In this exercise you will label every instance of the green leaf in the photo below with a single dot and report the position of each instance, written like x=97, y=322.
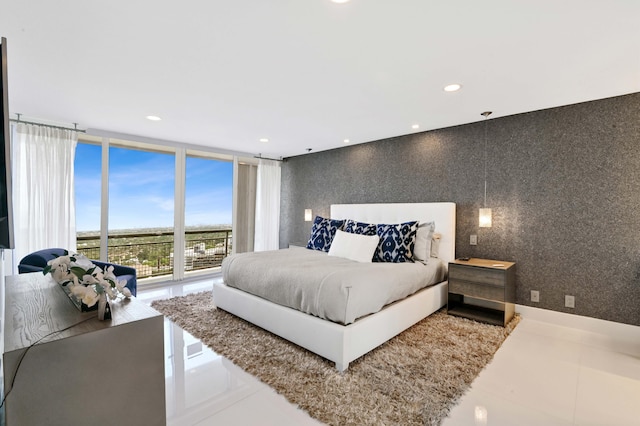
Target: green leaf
x=78, y=271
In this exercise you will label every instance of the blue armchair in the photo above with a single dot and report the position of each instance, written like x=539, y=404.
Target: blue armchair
x=37, y=261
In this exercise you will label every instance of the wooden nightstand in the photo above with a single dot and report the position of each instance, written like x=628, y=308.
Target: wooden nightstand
x=482, y=290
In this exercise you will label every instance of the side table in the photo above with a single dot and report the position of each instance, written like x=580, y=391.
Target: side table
x=482, y=290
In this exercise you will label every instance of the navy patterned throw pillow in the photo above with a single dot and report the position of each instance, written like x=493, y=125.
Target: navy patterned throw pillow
x=361, y=228
x=396, y=242
x=322, y=233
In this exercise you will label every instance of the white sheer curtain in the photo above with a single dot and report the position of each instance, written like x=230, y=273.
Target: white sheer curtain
x=43, y=190
x=267, y=230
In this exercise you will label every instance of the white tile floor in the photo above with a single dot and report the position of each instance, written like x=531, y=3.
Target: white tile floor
x=543, y=374
x=204, y=388
x=546, y=374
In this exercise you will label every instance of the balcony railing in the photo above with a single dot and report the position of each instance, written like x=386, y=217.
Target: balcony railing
x=152, y=253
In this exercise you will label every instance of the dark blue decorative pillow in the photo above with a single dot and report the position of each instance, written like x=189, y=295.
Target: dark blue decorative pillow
x=361, y=228
x=396, y=242
x=322, y=233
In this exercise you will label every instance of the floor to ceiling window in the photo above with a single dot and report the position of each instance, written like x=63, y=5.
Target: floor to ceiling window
x=208, y=210
x=88, y=178
x=141, y=208
x=163, y=210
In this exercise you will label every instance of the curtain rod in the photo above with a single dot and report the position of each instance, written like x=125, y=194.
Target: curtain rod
x=267, y=158
x=75, y=128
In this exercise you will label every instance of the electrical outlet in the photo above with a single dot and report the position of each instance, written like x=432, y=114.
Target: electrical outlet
x=569, y=301
x=535, y=296
x=473, y=240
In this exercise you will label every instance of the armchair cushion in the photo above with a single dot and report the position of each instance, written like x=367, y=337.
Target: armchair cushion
x=37, y=261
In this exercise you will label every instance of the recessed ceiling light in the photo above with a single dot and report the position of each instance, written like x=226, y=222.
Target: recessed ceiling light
x=452, y=87
x=264, y=140
x=339, y=1
x=415, y=126
x=346, y=141
x=153, y=118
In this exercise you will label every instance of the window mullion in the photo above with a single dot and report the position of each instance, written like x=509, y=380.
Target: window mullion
x=179, y=215
x=104, y=203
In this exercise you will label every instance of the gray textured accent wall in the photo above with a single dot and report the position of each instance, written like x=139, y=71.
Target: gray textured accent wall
x=563, y=183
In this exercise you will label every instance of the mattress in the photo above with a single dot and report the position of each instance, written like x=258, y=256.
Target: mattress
x=328, y=287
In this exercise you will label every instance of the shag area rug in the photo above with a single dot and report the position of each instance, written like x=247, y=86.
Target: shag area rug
x=413, y=379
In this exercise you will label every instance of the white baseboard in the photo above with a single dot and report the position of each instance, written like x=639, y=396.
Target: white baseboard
x=626, y=337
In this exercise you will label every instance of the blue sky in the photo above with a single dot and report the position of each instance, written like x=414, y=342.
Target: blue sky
x=141, y=189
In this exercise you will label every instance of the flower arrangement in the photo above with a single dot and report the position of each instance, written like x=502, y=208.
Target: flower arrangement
x=86, y=281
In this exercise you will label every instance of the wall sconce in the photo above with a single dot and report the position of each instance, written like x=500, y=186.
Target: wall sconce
x=307, y=215
x=485, y=213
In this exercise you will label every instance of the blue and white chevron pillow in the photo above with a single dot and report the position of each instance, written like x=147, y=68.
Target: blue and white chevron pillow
x=397, y=242
x=322, y=233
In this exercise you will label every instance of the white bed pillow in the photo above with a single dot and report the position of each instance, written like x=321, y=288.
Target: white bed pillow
x=422, y=249
x=354, y=246
x=435, y=245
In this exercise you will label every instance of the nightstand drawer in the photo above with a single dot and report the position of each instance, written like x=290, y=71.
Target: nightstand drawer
x=494, y=277
x=475, y=289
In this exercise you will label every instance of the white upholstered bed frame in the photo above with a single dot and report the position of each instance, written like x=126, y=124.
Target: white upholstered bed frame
x=336, y=342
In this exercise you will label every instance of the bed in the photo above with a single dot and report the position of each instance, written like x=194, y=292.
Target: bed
x=342, y=343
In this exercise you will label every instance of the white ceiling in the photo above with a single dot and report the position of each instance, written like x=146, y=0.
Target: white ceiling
x=310, y=73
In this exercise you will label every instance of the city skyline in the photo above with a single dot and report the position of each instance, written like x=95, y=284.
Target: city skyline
x=141, y=189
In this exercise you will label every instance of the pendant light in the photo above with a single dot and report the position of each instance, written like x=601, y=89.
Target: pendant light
x=485, y=213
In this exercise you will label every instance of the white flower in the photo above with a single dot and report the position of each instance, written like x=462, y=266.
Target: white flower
x=60, y=261
x=124, y=290
x=83, y=262
x=97, y=272
x=61, y=274
x=77, y=290
x=86, y=287
x=88, y=295
x=89, y=279
x=109, y=275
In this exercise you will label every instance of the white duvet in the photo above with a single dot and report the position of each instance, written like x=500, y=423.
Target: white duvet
x=329, y=287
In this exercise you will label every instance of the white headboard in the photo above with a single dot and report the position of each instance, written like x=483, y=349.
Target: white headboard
x=443, y=214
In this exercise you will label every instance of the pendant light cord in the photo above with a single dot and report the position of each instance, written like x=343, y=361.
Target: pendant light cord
x=486, y=115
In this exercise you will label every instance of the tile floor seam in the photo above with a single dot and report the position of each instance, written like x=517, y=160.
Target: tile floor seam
x=575, y=399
